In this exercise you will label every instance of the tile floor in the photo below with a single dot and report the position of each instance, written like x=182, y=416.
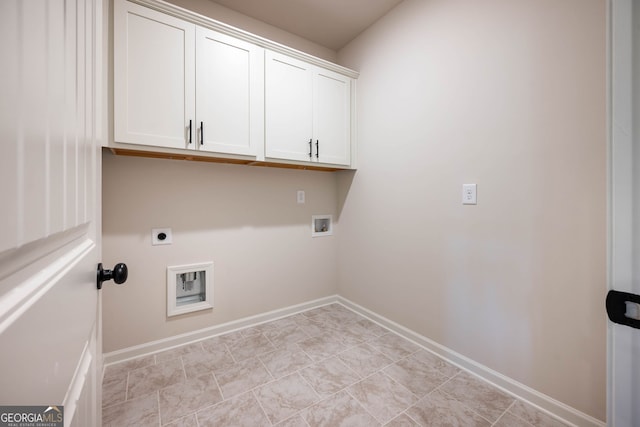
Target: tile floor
x=323, y=367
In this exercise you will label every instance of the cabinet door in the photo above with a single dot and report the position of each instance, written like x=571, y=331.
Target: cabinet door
x=153, y=77
x=288, y=107
x=229, y=94
x=332, y=117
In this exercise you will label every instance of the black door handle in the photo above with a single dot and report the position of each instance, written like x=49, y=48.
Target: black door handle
x=201, y=133
x=119, y=274
x=617, y=307
x=317, y=149
x=189, y=131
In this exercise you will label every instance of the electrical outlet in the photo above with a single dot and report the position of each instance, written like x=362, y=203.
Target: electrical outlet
x=300, y=197
x=161, y=236
x=469, y=195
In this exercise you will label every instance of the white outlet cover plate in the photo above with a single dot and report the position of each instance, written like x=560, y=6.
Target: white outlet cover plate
x=300, y=197
x=469, y=194
x=156, y=232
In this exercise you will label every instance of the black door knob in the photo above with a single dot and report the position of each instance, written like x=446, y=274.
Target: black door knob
x=119, y=274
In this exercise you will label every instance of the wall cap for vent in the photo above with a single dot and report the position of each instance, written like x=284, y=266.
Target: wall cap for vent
x=321, y=225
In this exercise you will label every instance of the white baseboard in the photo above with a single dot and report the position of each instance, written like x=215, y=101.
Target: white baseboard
x=201, y=334
x=546, y=404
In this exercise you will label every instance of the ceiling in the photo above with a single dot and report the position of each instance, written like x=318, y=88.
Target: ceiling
x=329, y=23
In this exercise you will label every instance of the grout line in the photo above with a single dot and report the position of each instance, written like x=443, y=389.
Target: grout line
x=362, y=406
x=126, y=387
x=159, y=413
x=504, y=412
x=218, y=384
x=467, y=406
x=409, y=416
x=253, y=393
x=184, y=371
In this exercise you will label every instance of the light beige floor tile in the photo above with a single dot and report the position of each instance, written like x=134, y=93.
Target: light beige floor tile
x=348, y=336
x=339, y=410
x=416, y=376
x=534, y=416
x=242, y=377
x=283, y=336
x=120, y=370
x=332, y=348
x=254, y=331
x=439, y=409
x=243, y=410
x=282, y=398
x=114, y=391
x=174, y=353
x=201, y=362
x=188, y=421
x=509, y=420
x=430, y=359
x=327, y=321
x=152, y=378
x=373, y=329
x=382, y=397
x=329, y=376
x=318, y=310
x=285, y=360
x=141, y=412
x=250, y=347
x=402, y=420
x=343, y=315
x=185, y=398
x=341, y=308
x=295, y=421
x=359, y=331
x=285, y=321
x=364, y=359
x=478, y=395
x=394, y=346
x=214, y=343
x=322, y=346
x=312, y=327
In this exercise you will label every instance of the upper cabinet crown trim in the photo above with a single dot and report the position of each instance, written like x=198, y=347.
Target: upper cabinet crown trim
x=207, y=22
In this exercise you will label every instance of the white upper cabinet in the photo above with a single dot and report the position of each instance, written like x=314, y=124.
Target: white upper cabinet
x=154, y=81
x=288, y=108
x=178, y=85
x=229, y=93
x=187, y=86
x=307, y=112
x=332, y=117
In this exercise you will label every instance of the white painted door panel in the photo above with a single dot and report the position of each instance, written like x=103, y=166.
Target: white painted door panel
x=49, y=223
x=229, y=93
x=154, y=78
x=623, y=356
x=288, y=107
x=332, y=117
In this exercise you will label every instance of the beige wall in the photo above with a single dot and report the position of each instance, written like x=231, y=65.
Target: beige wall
x=508, y=95
x=511, y=96
x=254, y=26
x=244, y=219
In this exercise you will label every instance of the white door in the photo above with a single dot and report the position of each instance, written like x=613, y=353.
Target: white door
x=154, y=77
x=288, y=108
x=623, y=406
x=50, y=112
x=229, y=94
x=332, y=117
